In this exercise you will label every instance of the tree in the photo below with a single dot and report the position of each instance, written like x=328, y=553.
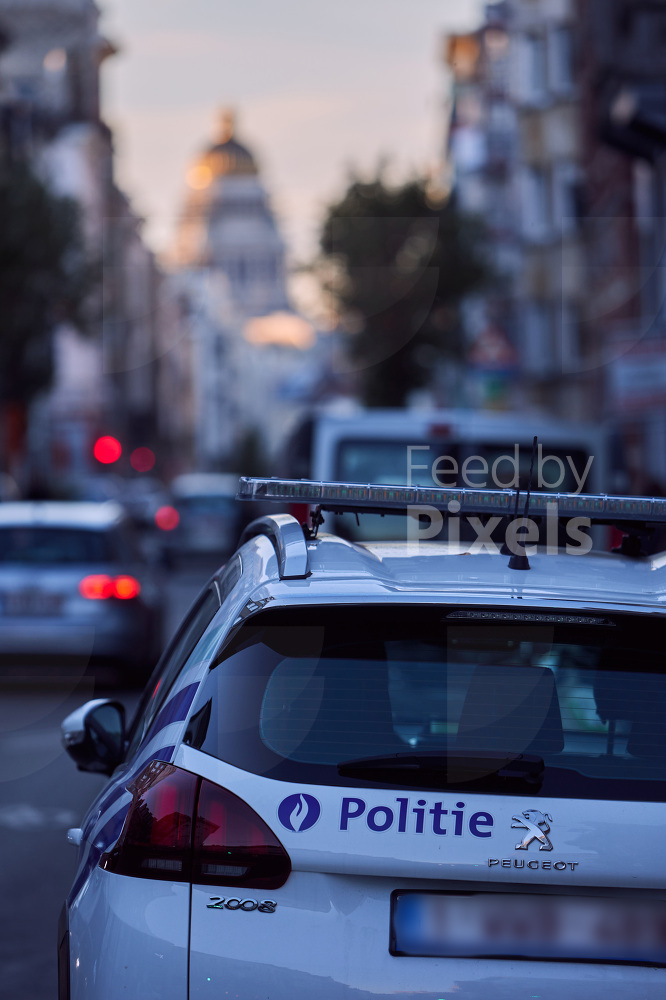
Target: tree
x=44, y=279
x=397, y=264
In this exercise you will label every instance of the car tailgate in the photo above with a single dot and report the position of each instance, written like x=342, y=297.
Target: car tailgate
x=353, y=848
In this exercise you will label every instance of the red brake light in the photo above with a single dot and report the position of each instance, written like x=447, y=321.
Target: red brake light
x=126, y=587
x=184, y=829
x=157, y=835
x=101, y=586
x=167, y=518
x=97, y=587
x=233, y=846
x=107, y=450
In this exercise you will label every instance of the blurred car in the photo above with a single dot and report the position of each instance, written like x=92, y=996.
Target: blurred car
x=143, y=497
x=207, y=516
x=74, y=585
x=92, y=488
x=363, y=772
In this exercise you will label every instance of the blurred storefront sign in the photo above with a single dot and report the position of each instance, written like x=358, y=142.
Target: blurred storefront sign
x=493, y=362
x=637, y=378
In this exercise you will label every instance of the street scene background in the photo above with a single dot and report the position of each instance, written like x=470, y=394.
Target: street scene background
x=293, y=240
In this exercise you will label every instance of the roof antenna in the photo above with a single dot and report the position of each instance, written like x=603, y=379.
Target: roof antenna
x=505, y=550
x=519, y=559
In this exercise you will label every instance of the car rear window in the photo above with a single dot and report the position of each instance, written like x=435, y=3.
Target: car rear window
x=43, y=546
x=296, y=693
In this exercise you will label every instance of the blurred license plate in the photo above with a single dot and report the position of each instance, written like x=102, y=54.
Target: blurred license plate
x=500, y=925
x=34, y=603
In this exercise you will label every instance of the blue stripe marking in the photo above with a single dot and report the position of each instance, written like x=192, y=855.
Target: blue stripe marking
x=106, y=836
x=111, y=830
x=175, y=710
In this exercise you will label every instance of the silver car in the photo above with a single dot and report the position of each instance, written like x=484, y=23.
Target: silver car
x=75, y=590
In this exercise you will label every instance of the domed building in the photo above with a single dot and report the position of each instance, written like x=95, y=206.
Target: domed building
x=228, y=226
x=251, y=353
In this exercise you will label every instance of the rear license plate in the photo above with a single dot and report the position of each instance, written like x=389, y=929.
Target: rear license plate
x=503, y=925
x=32, y=603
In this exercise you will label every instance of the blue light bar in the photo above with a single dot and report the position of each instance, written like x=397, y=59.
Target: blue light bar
x=463, y=502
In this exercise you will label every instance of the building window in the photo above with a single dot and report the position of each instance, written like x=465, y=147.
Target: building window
x=536, y=207
x=537, y=351
x=561, y=62
x=534, y=83
x=568, y=337
x=566, y=197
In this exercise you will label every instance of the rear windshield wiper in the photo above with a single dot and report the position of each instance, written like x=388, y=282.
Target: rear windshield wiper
x=481, y=771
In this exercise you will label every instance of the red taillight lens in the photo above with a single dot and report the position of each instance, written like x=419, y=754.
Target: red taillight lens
x=157, y=835
x=100, y=586
x=167, y=518
x=184, y=829
x=233, y=846
x=126, y=587
x=96, y=588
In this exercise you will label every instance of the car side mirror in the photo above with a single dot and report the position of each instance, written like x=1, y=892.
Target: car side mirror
x=94, y=735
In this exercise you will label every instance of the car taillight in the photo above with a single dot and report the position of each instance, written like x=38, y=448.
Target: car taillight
x=101, y=586
x=167, y=518
x=96, y=588
x=126, y=587
x=183, y=828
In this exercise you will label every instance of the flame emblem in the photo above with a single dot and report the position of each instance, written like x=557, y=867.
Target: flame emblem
x=299, y=812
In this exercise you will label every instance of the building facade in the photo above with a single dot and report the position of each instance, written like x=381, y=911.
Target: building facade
x=50, y=118
x=515, y=145
x=252, y=354
x=558, y=137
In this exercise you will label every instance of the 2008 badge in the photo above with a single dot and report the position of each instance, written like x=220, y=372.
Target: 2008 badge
x=236, y=903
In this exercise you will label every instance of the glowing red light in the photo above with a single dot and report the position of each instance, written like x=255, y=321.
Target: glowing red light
x=167, y=518
x=107, y=450
x=101, y=586
x=142, y=459
x=97, y=587
x=126, y=587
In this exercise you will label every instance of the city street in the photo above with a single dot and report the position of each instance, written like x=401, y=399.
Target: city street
x=41, y=795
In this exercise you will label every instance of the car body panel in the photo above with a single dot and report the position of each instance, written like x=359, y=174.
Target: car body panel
x=590, y=847
x=130, y=925
x=329, y=934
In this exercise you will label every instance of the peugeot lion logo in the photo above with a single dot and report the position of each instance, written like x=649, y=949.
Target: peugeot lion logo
x=299, y=812
x=536, y=825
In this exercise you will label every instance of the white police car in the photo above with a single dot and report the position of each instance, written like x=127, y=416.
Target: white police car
x=369, y=771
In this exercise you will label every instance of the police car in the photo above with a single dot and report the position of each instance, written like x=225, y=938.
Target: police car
x=432, y=769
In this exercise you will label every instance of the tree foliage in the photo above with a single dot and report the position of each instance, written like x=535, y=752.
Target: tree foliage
x=397, y=264
x=44, y=279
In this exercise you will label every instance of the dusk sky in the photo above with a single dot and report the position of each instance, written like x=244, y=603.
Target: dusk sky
x=318, y=89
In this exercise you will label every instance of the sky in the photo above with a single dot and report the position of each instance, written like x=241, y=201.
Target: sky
x=319, y=89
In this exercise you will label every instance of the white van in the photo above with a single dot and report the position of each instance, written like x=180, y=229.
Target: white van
x=451, y=448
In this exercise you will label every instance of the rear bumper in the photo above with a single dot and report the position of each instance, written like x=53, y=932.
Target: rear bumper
x=329, y=938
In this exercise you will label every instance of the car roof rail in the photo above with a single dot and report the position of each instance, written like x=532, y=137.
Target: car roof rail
x=287, y=536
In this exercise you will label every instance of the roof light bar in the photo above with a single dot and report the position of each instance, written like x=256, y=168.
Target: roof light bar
x=396, y=499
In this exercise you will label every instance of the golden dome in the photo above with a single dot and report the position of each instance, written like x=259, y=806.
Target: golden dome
x=224, y=158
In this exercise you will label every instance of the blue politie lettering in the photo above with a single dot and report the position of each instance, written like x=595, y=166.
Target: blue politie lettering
x=423, y=817
x=347, y=805
x=379, y=825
